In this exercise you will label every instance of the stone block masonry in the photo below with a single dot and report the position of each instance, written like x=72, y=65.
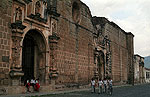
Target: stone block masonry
x=5, y=34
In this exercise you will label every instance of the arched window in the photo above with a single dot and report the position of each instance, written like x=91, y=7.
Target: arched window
x=76, y=12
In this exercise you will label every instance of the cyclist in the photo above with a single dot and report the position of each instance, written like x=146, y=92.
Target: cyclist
x=110, y=89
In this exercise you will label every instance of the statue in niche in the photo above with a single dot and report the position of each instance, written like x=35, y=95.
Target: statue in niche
x=18, y=14
x=54, y=27
x=45, y=10
x=37, y=7
x=76, y=12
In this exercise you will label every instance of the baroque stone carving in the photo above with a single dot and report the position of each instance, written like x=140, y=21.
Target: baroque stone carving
x=53, y=40
x=38, y=13
x=54, y=26
x=18, y=14
x=37, y=7
x=16, y=49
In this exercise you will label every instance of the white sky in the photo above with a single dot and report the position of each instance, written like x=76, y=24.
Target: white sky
x=131, y=15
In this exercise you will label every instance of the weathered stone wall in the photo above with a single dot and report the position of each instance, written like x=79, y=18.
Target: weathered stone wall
x=119, y=52
x=130, y=67
x=121, y=48
x=5, y=33
x=75, y=53
x=72, y=56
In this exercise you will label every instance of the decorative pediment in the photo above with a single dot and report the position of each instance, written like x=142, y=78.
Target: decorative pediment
x=18, y=12
x=37, y=17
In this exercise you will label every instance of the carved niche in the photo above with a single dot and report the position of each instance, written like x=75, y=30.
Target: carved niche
x=18, y=13
x=76, y=15
x=38, y=7
x=37, y=10
x=54, y=26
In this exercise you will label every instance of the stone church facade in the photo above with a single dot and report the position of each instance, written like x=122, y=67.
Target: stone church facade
x=59, y=42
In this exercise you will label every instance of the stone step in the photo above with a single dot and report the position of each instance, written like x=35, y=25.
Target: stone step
x=2, y=91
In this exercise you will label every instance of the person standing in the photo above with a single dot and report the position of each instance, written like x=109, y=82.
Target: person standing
x=93, y=85
x=110, y=86
x=100, y=83
x=105, y=85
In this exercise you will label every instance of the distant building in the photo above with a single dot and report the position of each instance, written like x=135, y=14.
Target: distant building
x=147, y=75
x=139, y=69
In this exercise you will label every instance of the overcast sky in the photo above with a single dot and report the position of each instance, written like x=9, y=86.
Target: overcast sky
x=131, y=15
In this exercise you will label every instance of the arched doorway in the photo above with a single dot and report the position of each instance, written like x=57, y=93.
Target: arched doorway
x=101, y=64
x=33, y=56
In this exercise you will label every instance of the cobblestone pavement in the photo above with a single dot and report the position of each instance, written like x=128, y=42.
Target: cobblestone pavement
x=128, y=91
x=124, y=91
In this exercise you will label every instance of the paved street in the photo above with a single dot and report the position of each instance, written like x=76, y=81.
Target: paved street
x=128, y=91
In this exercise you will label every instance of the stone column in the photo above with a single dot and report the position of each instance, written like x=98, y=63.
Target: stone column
x=53, y=39
x=53, y=74
x=16, y=67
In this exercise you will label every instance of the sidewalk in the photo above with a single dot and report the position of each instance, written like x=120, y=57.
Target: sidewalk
x=40, y=94
x=52, y=92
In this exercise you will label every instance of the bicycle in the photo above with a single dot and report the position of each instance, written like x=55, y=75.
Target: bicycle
x=110, y=90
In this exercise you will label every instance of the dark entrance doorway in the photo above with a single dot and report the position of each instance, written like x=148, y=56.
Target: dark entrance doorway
x=28, y=57
x=101, y=65
x=34, y=56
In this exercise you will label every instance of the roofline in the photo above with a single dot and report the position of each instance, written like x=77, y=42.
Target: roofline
x=113, y=24
x=147, y=68
x=139, y=56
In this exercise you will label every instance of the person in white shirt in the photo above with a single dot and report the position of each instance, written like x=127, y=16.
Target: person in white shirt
x=105, y=85
x=93, y=85
x=32, y=82
x=100, y=83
